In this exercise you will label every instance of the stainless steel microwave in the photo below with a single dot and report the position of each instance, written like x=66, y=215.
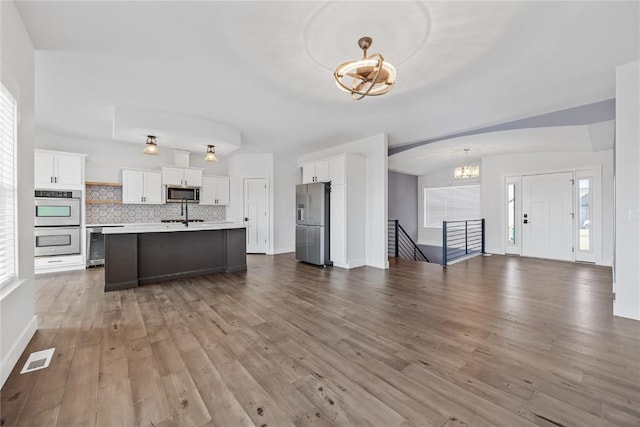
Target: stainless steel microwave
x=180, y=194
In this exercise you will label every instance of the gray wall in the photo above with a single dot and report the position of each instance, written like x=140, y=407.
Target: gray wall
x=403, y=201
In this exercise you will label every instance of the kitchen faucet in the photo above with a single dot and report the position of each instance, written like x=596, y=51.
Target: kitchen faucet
x=184, y=210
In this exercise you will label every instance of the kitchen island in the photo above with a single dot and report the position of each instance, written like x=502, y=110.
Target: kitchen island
x=139, y=254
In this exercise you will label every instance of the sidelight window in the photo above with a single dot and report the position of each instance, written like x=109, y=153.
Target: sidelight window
x=584, y=213
x=8, y=184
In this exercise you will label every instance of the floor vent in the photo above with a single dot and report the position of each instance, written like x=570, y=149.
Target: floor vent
x=38, y=360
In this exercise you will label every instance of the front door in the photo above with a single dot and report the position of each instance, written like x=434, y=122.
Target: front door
x=256, y=215
x=547, y=216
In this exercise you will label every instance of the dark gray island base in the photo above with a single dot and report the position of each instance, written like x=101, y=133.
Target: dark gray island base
x=134, y=258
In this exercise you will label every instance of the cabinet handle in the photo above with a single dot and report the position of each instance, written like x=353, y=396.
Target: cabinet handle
x=55, y=179
x=50, y=179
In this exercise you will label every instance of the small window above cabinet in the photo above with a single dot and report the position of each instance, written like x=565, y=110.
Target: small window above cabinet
x=181, y=177
x=315, y=172
x=215, y=190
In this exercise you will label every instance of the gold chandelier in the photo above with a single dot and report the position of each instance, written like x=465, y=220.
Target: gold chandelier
x=369, y=76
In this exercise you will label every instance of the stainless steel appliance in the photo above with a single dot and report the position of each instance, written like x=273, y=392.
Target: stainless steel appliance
x=95, y=245
x=312, y=223
x=57, y=221
x=57, y=241
x=179, y=194
x=57, y=208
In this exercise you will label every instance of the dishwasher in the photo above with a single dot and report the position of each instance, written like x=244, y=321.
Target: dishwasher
x=95, y=245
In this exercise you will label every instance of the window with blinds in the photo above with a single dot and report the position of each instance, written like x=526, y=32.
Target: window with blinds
x=450, y=204
x=8, y=184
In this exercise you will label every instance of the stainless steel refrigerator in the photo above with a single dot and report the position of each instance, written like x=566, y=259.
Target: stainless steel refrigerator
x=312, y=223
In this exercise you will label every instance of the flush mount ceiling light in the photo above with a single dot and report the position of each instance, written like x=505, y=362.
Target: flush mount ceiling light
x=369, y=76
x=151, y=146
x=467, y=170
x=211, y=154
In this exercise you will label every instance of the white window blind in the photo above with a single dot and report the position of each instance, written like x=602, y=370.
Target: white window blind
x=451, y=204
x=8, y=183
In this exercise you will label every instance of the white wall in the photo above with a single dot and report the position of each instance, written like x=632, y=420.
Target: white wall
x=627, y=200
x=105, y=159
x=443, y=178
x=250, y=166
x=18, y=321
x=286, y=176
x=495, y=168
x=374, y=148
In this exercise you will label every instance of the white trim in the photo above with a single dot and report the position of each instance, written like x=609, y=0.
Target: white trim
x=10, y=287
x=596, y=171
x=16, y=351
x=285, y=250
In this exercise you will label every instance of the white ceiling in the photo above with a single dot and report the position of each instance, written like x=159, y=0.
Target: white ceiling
x=450, y=153
x=264, y=68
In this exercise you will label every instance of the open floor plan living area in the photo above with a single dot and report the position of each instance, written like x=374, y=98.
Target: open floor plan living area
x=319, y=213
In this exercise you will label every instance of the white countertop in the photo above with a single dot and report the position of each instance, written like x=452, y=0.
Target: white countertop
x=171, y=227
x=121, y=224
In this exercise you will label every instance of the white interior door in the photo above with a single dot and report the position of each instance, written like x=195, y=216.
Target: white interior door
x=547, y=216
x=256, y=214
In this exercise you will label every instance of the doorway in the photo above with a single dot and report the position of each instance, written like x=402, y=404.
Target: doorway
x=256, y=214
x=548, y=216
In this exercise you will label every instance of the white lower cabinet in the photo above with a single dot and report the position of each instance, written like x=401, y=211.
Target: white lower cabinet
x=215, y=190
x=141, y=187
x=51, y=264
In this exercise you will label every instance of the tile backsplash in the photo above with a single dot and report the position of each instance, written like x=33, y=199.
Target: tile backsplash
x=117, y=213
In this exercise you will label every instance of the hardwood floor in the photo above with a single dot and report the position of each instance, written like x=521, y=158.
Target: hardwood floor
x=488, y=342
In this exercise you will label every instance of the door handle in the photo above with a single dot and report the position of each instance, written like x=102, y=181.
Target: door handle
x=300, y=214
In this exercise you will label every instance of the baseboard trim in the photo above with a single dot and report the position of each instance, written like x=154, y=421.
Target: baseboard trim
x=19, y=346
x=279, y=251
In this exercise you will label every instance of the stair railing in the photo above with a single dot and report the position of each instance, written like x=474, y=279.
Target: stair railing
x=401, y=245
x=462, y=239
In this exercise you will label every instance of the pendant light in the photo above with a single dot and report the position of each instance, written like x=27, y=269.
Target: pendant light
x=211, y=154
x=151, y=147
x=466, y=170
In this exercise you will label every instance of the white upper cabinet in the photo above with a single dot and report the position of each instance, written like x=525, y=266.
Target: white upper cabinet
x=141, y=187
x=181, y=177
x=333, y=169
x=215, y=190
x=193, y=177
x=315, y=172
x=53, y=169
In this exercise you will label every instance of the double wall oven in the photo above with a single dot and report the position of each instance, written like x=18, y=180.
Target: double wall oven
x=57, y=222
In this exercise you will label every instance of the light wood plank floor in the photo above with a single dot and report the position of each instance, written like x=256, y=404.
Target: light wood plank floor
x=488, y=342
